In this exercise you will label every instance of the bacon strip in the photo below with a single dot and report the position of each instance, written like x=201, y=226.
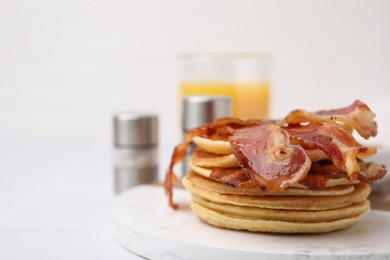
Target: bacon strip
x=232, y=177
x=219, y=129
x=338, y=144
x=269, y=161
x=370, y=172
x=316, y=155
x=265, y=155
x=357, y=116
x=320, y=173
x=179, y=153
x=222, y=128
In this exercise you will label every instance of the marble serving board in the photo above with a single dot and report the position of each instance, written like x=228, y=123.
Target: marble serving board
x=145, y=225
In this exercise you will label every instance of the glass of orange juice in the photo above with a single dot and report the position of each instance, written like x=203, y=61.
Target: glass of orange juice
x=244, y=77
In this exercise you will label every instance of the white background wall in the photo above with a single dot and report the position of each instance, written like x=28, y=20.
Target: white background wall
x=67, y=66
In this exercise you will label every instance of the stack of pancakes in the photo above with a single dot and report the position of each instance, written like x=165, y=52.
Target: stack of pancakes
x=297, y=209
x=305, y=173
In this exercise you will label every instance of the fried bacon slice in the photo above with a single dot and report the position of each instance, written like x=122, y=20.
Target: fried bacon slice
x=357, y=116
x=222, y=128
x=316, y=155
x=370, y=172
x=232, y=177
x=275, y=154
x=266, y=156
x=320, y=173
x=219, y=129
x=178, y=155
x=337, y=143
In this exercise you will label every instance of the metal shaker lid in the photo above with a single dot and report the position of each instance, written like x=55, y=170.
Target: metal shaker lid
x=199, y=110
x=136, y=130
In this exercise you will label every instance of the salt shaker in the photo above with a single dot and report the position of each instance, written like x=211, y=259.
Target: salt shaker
x=199, y=110
x=135, y=149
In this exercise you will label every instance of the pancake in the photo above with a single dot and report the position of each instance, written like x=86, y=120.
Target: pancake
x=210, y=185
x=302, y=174
x=213, y=146
x=297, y=209
x=298, y=216
x=210, y=160
x=360, y=193
x=218, y=219
x=292, y=211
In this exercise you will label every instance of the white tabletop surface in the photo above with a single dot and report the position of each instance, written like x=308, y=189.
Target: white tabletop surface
x=55, y=200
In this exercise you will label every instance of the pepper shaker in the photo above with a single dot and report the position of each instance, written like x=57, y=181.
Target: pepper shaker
x=135, y=149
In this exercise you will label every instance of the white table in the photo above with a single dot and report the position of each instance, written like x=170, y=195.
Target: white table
x=55, y=200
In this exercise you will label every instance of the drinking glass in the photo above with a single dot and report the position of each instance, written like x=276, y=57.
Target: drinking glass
x=244, y=77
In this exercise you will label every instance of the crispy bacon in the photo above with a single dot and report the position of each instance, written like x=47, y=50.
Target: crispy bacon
x=275, y=154
x=370, y=172
x=219, y=129
x=327, y=168
x=357, y=116
x=222, y=128
x=317, y=178
x=179, y=153
x=338, y=144
x=265, y=155
x=320, y=173
x=232, y=177
x=316, y=155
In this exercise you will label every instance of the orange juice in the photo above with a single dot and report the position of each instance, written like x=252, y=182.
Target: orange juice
x=250, y=100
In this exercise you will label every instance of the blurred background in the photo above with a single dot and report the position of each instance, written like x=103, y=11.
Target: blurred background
x=67, y=66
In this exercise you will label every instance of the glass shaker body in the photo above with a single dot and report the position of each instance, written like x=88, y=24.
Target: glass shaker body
x=135, y=150
x=134, y=166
